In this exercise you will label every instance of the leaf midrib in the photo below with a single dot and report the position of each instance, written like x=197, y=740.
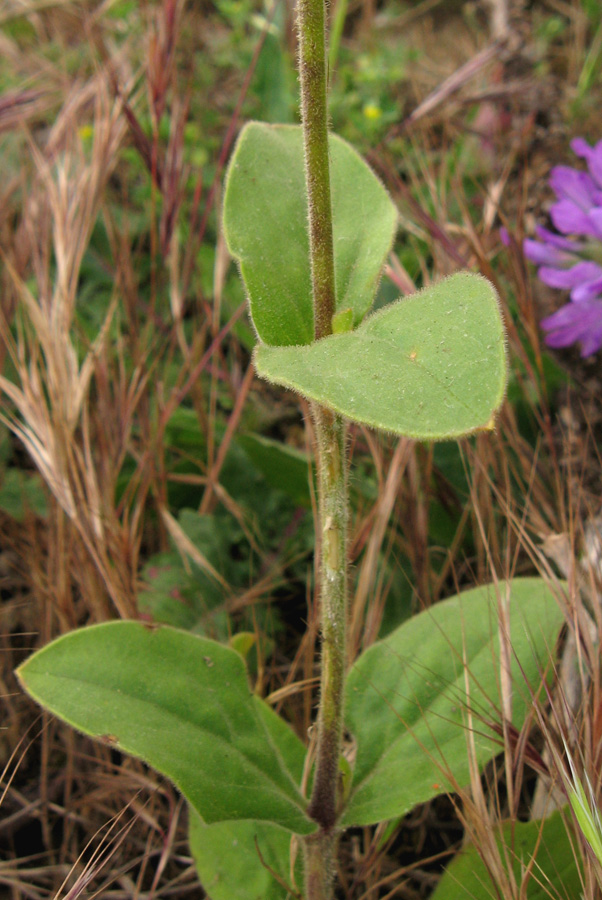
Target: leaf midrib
x=110, y=691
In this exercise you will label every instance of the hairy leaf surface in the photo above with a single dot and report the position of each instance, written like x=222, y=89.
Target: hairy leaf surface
x=181, y=703
x=431, y=366
x=418, y=702
x=228, y=860
x=265, y=224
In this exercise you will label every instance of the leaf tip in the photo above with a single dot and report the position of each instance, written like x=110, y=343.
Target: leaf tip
x=20, y=676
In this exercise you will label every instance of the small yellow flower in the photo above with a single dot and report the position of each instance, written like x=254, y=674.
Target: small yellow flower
x=372, y=111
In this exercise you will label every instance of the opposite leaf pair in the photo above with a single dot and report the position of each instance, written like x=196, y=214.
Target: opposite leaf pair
x=183, y=704
x=431, y=366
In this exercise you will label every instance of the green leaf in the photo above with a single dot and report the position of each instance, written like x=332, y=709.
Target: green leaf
x=555, y=873
x=283, y=467
x=229, y=866
x=184, y=594
x=182, y=704
x=407, y=704
x=265, y=224
x=225, y=853
x=342, y=321
x=431, y=366
x=281, y=735
x=274, y=75
x=171, y=594
x=243, y=642
x=23, y=492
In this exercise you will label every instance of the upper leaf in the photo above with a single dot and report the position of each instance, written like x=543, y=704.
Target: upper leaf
x=407, y=703
x=265, y=224
x=182, y=704
x=431, y=366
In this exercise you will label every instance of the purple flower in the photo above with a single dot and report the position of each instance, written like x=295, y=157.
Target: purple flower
x=576, y=322
x=572, y=259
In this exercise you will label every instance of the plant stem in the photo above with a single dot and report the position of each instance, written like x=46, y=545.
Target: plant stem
x=330, y=429
x=319, y=852
x=312, y=74
x=333, y=505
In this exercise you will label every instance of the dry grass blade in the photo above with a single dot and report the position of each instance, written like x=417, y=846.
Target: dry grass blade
x=18, y=107
x=51, y=387
x=107, y=846
x=186, y=548
x=362, y=632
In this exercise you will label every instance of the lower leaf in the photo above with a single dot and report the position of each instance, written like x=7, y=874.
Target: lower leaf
x=243, y=860
x=555, y=872
x=415, y=699
x=181, y=703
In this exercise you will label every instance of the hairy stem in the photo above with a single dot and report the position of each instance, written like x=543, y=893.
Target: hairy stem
x=332, y=491
x=312, y=74
x=319, y=858
x=320, y=848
